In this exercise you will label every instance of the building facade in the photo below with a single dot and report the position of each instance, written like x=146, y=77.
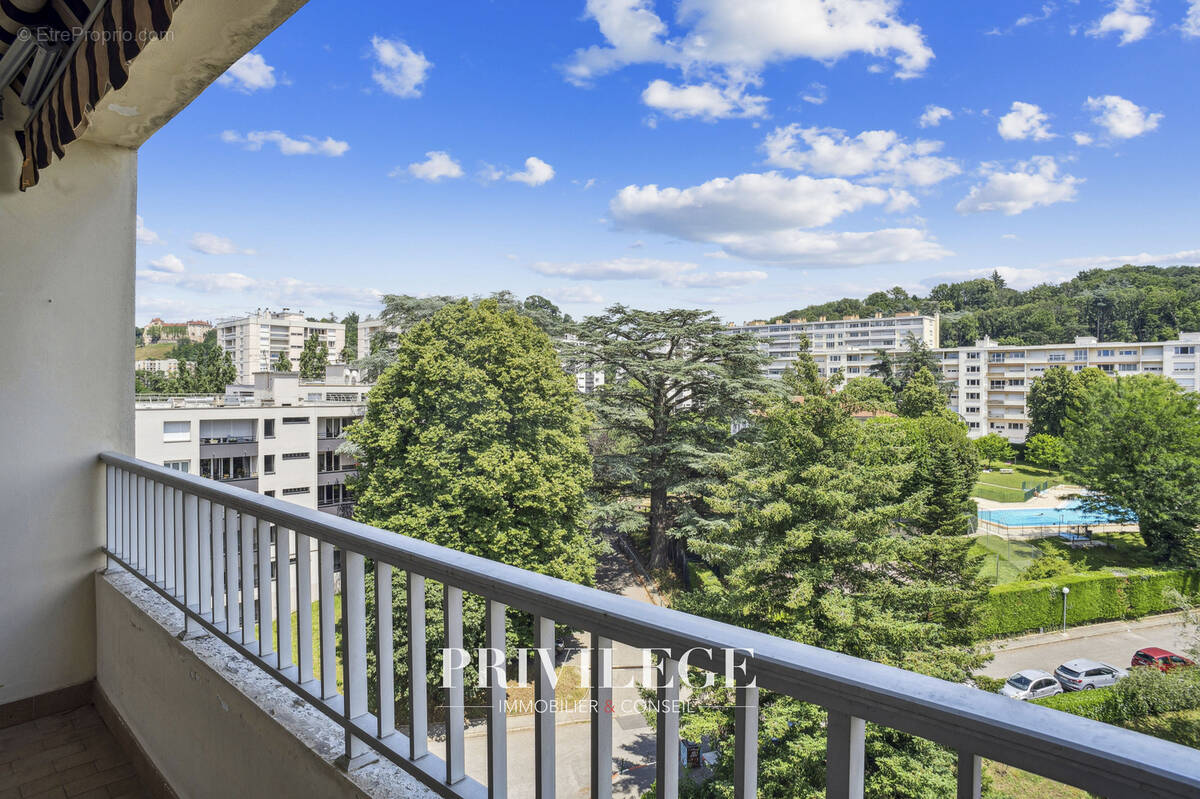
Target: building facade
x=166, y=366
x=193, y=329
x=277, y=436
x=256, y=341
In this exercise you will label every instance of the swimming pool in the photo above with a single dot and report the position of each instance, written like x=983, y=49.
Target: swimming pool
x=1064, y=515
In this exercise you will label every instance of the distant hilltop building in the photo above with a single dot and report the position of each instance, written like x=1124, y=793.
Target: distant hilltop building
x=194, y=329
x=256, y=341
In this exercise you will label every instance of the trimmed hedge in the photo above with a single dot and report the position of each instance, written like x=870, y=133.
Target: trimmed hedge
x=1089, y=704
x=1145, y=692
x=1094, y=596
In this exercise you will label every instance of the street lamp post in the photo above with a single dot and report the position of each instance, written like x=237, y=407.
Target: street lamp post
x=1065, y=591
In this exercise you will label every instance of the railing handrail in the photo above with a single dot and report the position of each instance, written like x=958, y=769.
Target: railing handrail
x=1078, y=751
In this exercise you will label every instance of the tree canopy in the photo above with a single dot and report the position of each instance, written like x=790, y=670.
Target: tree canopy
x=314, y=358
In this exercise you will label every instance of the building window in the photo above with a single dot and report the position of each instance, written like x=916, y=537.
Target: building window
x=268, y=464
x=973, y=381
x=1128, y=352
x=1106, y=353
x=177, y=431
x=295, y=420
x=294, y=456
x=971, y=409
x=270, y=493
x=332, y=494
x=1185, y=350
x=973, y=395
x=1081, y=355
x=238, y=468
x=1129, y=367
x=287, y=492
x=329, y=462
x=1016, y=426
x=973, y=425
x=179, y=466
x=268, y=428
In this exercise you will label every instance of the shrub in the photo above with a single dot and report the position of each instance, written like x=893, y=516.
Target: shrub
x=1089, y=704
x=1049, y=565
x=1149, y=692
x=1151, y=592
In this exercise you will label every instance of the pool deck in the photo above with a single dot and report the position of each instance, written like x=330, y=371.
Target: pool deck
x=1051, y=498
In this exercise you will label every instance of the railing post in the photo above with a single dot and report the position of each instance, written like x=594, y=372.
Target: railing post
x=304, y=603
x=354, y=658
x=418, y=713
x=179, y=574
x=666, y=740
x=139, y=547
x=217, y=564
x=543, y=720
x=602, y=718
x=845, y=757
x=167, y=569
x=232, y=582
x=110, y=512
x=247, y=593
x=970, y=775
x=497, y=719
x=283, y=597
x=266, y=636
x=158, y=527
x=385, y=656
x=745, y=758
x=452, y=607
x=325, y=620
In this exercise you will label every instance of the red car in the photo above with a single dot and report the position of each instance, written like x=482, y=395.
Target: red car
x=1161, y=659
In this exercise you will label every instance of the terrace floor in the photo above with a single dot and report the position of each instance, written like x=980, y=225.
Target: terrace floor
x=69, y=754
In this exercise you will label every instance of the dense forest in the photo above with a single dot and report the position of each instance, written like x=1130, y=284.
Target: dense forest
x=1130, y=303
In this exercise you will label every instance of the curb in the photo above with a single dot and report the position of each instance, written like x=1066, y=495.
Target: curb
x=1088, y=631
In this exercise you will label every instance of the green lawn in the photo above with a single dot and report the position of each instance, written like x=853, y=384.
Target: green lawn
x=153, y=352
x=1012, y=783
x=1002, y=487
x=1126, y=552
x=1014, y=557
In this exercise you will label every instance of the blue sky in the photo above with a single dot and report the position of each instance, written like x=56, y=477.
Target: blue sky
x=739, y=155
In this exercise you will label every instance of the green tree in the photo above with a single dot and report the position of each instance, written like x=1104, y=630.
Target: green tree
x=868, y=393
x=283, y=363
x=350, y=324
x=921, y=395
x=884, y=369
x=474, y=439
x=314, y=358
x=993, y=448
x=1051, y=397
x=810, y=548
x=678, y=380
x=946, y=468
x=1135, y=442
x=1046, y=451
x=916, y=357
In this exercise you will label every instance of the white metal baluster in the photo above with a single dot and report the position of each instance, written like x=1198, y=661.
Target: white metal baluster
x=178, y=576
x=204, y=561
x=166, y=571
x=970, y=775
x=844, y=758
x=304, y=622
x=283, y=596
x=192, y=598
x=418, y=713
x=385, y=658
x=159, y=528
x=247, y=594
x=543, y=701
x=110, y=512
x=497, y=726
x=325, y=616
x=125, y=506
x=602, y=717
x=265, y=637
x=232, y=617
x=139, y=546
x=452, y=607
x=218, y=565
x=354, y=655
x=745, y=758
x=666, y=739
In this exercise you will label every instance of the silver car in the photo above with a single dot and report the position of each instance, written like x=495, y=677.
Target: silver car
x=1031, y=684
x=1082, y=674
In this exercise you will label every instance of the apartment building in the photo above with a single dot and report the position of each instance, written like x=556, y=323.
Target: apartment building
x=166, y=366
x=193, y=329
x=367, y=328
x=255, y=341
x=837, y=338
x=277, y=436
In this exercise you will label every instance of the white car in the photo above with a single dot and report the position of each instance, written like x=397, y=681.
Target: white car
x=1082, y=674
x=1031, y=684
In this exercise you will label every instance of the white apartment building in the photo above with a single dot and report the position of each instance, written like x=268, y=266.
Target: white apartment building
x=166, y=366
x=255, y=341
x=277, y=436
x=367, y=328
x=838, y=338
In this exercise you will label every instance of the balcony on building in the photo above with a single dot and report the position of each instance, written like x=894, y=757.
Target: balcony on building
x=137, y=590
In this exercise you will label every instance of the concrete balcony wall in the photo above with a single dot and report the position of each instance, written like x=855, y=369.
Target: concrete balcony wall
x=210, y=721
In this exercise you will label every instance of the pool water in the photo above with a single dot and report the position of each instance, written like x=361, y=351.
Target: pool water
x=1064, y=515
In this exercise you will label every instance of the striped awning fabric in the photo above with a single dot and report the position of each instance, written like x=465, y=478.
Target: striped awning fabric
x=95, y=58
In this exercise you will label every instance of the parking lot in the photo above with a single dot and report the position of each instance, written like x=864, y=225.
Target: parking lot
x=1111, y=642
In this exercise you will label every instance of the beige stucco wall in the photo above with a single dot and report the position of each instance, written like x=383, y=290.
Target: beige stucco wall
x=66, y=311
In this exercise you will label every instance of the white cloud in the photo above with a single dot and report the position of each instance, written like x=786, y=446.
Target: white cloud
x=1024, y=121
x=763, y=216
x=535, y=173
x=167, y=263
x=816, y=94
x=1128, y=18
x=933, y=116
x=249, y=74
x=673, y=274
x=1082, y=139
x=399, y=70
x=1011, y=236
x=437, y=165
x=1020, y=278
x=1035, y=182
x=574, y=294
x=1123, y=119
x=1191, y=23
x=705, y=100
x=1177, y=258
x=145, y=235
x=883, y=156
x=1048, y=10
x=305, y=145
x=287, y=291
x=212, y=244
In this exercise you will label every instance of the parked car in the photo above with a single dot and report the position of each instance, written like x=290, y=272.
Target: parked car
x=1031, y=684
x=1083, y=674
x=1161, y=659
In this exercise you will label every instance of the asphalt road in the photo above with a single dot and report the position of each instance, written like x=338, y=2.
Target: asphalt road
x=1112, y=642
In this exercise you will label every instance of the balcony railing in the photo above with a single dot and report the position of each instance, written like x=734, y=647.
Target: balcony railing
x=180, y=535
x=227, y=440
